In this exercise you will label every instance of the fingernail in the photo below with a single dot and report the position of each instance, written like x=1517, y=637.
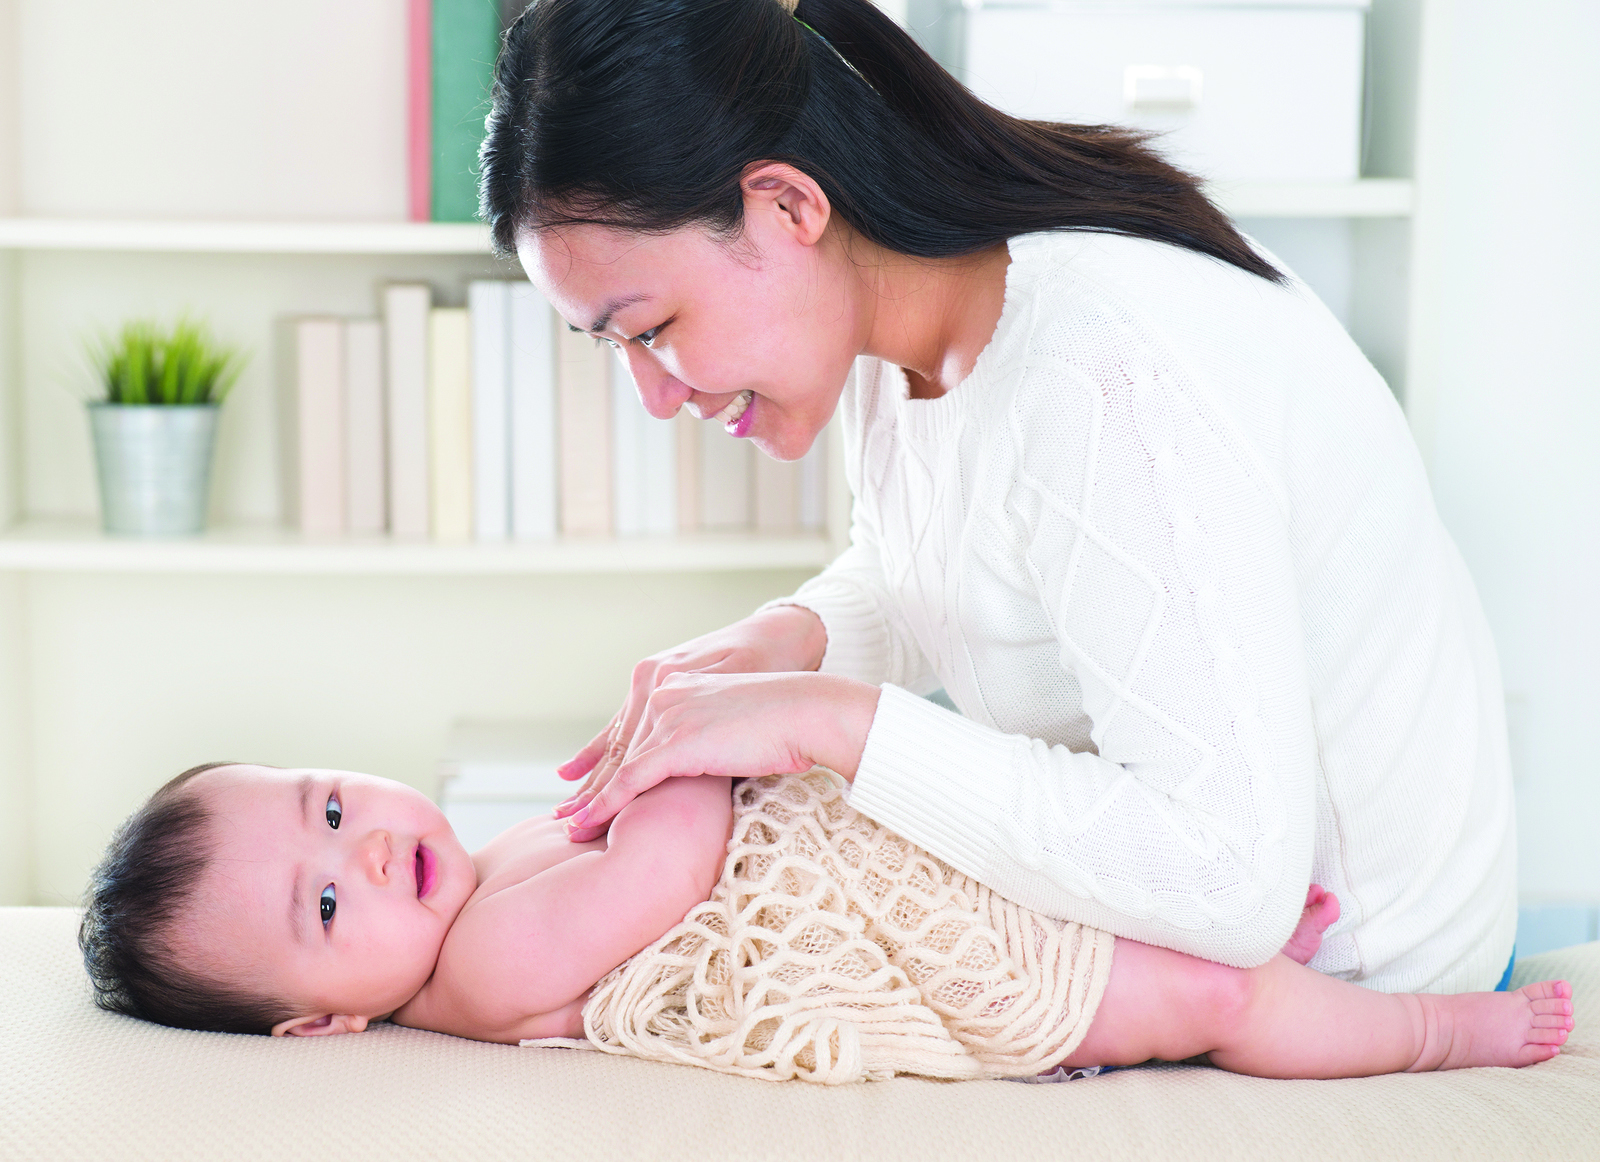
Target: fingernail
x=579, y=819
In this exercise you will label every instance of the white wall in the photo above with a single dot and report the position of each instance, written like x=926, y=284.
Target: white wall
x=194, y=108
x=139, y=676
x=1510, y=422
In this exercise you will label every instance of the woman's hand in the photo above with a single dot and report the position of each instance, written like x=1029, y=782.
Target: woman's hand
x=743, y=725
x=784, y=638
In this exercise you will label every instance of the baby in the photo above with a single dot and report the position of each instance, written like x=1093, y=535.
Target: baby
x=246, y=898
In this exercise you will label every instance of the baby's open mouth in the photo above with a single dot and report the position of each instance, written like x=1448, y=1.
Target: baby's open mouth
x=422, y=864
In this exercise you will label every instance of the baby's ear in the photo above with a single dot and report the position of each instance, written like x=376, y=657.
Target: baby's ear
x=319, y=1026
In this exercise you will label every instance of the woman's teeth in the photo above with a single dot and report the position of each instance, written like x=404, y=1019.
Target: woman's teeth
x=735, y=408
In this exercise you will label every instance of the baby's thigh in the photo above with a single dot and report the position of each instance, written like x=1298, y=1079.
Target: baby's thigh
x=1162, y=1005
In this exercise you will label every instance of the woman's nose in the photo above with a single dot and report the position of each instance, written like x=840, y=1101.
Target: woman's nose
x=661, y=394
x=372, y=856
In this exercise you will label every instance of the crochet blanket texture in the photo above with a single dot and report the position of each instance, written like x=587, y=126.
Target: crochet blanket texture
x=833, y=950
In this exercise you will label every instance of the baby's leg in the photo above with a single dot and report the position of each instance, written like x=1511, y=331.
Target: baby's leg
x=1285, y=1020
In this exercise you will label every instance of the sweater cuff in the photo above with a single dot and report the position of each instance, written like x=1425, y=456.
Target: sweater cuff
x=938, y=779
x=858, y=640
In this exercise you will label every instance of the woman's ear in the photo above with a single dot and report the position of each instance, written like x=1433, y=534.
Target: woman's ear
x=782, y=196
x=322, y=1026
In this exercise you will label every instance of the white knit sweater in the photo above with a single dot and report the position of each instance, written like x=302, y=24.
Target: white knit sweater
x=1171, y=550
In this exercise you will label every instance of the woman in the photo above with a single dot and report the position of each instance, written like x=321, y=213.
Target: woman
x=1123, y=488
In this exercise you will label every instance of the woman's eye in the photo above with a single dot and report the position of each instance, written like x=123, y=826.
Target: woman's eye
x=648, y=338
x=600, y=339
x=333, y=812
x=327, y=905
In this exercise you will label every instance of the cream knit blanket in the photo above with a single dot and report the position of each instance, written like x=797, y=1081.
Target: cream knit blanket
x=833, y=950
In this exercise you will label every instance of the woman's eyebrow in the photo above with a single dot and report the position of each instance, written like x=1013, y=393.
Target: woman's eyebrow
x=612, y=308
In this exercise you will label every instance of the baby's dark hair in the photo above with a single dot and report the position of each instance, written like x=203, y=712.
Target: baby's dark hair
x=144, y=882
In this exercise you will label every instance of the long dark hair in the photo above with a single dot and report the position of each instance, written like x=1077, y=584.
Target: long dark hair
x=646, y=114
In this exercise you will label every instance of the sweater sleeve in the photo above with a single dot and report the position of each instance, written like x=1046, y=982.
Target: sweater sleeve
x=1159, y=553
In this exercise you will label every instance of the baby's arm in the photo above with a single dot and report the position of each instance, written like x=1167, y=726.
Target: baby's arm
x=520, y=963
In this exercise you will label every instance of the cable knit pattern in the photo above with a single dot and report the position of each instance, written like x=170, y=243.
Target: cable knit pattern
x=1171, y=551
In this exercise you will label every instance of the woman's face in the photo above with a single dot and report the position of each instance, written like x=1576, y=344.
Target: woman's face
x=701, y=322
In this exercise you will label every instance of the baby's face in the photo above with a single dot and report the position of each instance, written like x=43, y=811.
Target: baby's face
x=331, y=889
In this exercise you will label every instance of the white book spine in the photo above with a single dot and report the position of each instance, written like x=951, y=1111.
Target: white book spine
x=450, y=422
x=405, y=323
x=777, y=494
x=660, y=475
x=488, y=304
x=319, y=400
x=687, y=436
x=365, y=484
x=533, y=415
x=584, y=413
x=627, y=453
x=726, y=486
x=814, y=485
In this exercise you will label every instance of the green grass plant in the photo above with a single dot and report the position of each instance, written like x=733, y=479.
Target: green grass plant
x=144, y=364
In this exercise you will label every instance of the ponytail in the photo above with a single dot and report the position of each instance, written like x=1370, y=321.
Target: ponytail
x=646, y=114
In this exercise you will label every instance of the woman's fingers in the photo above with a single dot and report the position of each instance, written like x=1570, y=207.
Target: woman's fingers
x=583, y=762
x=630, y=780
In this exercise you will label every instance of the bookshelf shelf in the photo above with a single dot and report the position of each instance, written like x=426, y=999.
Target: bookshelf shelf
x=1369, y=198
x=39, y=546
x=245, y=237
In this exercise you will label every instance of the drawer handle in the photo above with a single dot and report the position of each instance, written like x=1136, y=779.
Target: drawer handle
x=1161, y=86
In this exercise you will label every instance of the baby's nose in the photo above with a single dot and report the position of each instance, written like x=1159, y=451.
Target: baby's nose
x=374, y=855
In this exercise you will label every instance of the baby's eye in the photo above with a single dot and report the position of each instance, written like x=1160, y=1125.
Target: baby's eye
x=333, y=812
x=327, y=905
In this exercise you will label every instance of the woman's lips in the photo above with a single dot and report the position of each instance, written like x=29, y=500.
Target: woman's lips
x=737, y=417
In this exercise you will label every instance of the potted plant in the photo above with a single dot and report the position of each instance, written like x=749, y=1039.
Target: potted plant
x=154, y=431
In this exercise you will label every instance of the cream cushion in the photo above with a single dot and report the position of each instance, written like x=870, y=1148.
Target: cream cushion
x=79, y=1083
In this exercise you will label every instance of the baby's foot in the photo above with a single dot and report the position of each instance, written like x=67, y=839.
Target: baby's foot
x=1513, y=1029
x=1321, y=910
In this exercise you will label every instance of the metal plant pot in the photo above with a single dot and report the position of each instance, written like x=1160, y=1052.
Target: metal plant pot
x=155, y=466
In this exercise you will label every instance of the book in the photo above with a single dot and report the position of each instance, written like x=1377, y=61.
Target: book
x=419, y=109
x=627, y=454
x=814, y=485
x=533, y=414
x=319, y=424
x=644, y=464
x=366, y=501
x=659, y=445
x=450, y=423
x=466, y=40
x=405, y=330
x=777, y=494
x=583, y=415
x=686, y=438
x=726, y=484
x=488, y=303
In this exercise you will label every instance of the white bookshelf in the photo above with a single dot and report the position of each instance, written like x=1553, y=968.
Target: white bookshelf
x=42, y=546
x=1369, y=198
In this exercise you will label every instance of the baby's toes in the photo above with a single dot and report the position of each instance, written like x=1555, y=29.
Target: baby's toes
x=1533, y=1054
x=1551, y=1021
x=1546, y=1036
x=1547, y=990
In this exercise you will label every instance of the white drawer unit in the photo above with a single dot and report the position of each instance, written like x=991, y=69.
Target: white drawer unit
x=495, y=774
x=1251, y=91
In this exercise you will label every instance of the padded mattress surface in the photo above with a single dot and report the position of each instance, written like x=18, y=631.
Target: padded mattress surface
x=79, y=1083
